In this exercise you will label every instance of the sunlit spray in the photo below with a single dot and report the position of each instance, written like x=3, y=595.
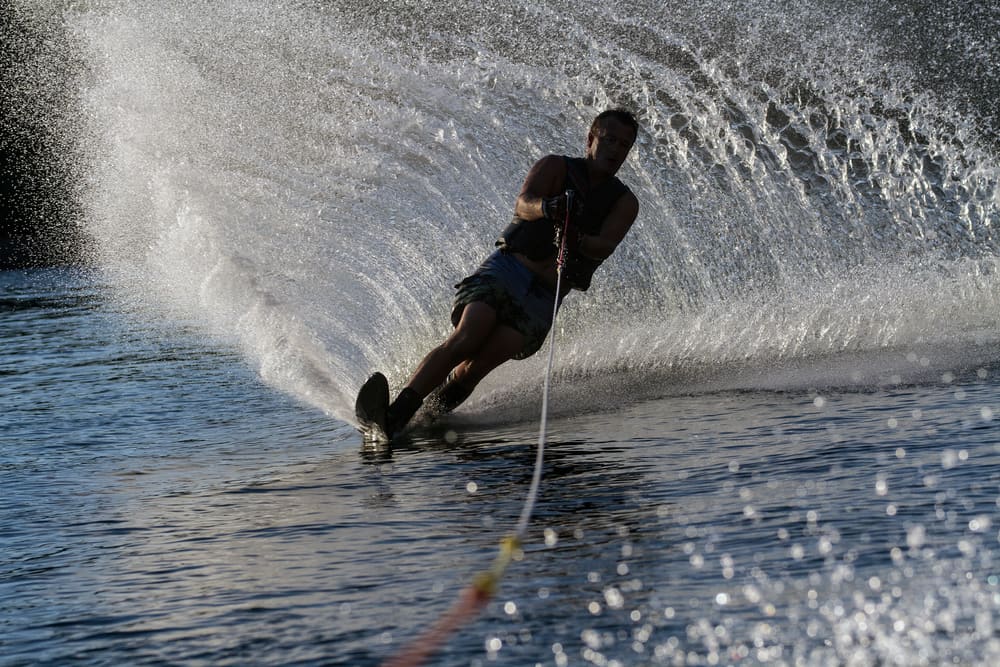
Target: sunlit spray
x=312, y=182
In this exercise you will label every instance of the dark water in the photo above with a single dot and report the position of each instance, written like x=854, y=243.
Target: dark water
x=774, y=434
x=162, y=506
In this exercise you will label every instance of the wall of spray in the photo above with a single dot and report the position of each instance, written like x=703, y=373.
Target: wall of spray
x=310, y=180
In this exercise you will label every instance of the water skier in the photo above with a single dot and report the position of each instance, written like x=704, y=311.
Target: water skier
x=504, y=310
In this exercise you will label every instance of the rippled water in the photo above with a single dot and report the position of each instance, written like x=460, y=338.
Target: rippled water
x=775, y=413
x=162, y=506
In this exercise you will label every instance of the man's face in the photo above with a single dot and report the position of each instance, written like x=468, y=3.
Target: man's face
x=609, y=145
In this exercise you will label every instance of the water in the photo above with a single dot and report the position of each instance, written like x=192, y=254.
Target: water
x=162, y=505
x=775, y=414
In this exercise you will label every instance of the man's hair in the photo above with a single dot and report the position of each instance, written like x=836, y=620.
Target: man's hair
x=623, y=116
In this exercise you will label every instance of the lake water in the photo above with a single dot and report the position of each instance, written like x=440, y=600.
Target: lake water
x=162, y=506
x=774, y=418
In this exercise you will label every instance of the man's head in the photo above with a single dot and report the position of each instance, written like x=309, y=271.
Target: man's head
x=623, y=116
x=610, y=138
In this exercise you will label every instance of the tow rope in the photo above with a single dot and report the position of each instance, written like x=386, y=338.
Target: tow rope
x=484, y=585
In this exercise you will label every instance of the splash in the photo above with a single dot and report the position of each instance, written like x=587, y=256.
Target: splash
x=310, y=180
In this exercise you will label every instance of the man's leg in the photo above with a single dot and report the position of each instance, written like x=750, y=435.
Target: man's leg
x=471, y=334
x=504, y=342
x=473, y=331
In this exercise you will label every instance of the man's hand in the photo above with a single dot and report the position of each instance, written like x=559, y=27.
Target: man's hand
x=554, y=208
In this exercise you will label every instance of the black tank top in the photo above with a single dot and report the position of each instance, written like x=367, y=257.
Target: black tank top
x=535, y=239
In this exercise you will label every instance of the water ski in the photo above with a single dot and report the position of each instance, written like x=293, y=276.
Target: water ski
x=372, y=409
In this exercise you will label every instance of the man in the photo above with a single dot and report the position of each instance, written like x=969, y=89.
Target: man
x=504, y=310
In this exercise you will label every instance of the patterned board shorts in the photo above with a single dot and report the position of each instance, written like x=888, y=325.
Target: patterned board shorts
x=520, y=299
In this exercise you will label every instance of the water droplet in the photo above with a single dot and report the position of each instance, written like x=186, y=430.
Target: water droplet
x=949, y=459
x=881, y=486
x=980, y=524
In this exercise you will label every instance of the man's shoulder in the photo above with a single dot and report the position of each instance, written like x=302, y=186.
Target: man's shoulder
x=629, y=200
x=625, y=199
x=550, y=167
x=623, y=189
x=552, y=161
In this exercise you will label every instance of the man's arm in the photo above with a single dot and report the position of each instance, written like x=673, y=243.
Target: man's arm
x=543, y=180
x=613, y=229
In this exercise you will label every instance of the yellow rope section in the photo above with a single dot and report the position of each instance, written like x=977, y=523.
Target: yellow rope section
x=488, y=581
x=470, y=602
